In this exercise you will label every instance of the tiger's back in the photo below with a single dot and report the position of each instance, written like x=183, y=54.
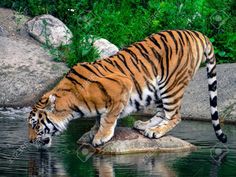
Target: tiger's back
x=153, y=65
x=154, y=71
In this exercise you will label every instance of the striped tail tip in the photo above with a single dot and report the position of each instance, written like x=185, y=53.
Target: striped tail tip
x=222, y=138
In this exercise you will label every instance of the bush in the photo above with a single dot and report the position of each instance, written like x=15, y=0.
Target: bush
x=124, y=22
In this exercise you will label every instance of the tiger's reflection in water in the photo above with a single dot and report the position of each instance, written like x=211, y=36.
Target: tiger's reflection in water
x=139, y=165
x=147, y=164
x=144, y=164
x=45, y=165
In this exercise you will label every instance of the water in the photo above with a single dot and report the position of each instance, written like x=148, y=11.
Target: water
x=19, y=158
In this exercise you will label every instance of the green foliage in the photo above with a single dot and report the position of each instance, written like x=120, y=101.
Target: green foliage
x=124, y=22
x=78, y=51
x=127, y=121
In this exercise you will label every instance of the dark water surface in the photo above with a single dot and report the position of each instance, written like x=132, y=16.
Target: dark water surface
x=19, y=158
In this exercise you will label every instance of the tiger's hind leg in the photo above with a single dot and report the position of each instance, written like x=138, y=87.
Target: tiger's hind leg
x=171, y=105
x=155, y=120
x=163, y=127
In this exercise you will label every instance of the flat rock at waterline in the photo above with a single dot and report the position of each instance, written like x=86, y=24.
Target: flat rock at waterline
x=127, y=140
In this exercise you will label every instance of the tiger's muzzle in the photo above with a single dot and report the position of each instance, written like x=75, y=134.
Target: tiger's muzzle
x=39, y=141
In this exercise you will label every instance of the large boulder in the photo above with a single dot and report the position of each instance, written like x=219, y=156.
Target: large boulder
x=26, y=68
x=26, y=71
x=49, y=30
x=12, y=24
x=196, y=103
x=127, y=140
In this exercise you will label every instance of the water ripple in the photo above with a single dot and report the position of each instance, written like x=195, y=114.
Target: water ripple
x=14, y=113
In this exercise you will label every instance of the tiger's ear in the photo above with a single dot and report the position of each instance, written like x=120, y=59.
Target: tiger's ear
x=51, y=103
x=52, y=99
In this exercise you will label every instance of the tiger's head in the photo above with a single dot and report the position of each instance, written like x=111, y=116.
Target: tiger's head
x=40, y=128
x=45, y=121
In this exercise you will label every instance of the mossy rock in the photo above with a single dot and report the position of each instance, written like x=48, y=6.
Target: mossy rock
x=127, y=141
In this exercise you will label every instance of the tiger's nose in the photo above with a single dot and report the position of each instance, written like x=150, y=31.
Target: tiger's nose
x=31, y=141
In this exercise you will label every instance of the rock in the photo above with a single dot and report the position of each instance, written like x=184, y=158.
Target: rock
x=127, y=140
x=3, y=32
x=49, y=30
x=105, y=48
x=13, y=24
x=196, y=103
x=26, y=71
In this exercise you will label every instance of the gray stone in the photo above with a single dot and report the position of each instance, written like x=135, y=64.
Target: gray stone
x=105, y=48
x=13, y=24
x=3, y=32
x=196, y=99
x=127, y=140
x=26, y=71
x=49, y=30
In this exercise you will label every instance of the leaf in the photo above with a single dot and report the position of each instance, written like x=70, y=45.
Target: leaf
x=216, y=50
x=212, y=39
x=85, y=51
x=222, y=53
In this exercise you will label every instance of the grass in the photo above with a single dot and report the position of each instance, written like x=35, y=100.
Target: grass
x=124, y=22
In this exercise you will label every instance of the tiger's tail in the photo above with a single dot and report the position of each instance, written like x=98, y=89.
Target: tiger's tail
x=212, y=87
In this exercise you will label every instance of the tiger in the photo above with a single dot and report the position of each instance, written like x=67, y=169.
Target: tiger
x=153, y=72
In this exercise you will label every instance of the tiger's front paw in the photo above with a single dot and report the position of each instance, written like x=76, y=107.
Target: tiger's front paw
x=159, y=130
x=99, y=140
x=140, y=125
x=153, y=133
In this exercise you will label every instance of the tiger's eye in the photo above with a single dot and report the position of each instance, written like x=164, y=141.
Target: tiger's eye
x=33, y=114
x=40, y=115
